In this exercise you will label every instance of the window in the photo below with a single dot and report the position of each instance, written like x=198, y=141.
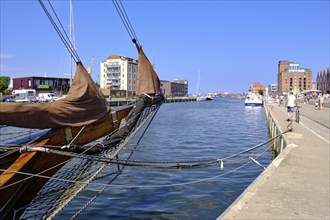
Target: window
x=37, y=83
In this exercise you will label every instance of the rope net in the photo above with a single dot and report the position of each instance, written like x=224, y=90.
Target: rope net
x=72, y=178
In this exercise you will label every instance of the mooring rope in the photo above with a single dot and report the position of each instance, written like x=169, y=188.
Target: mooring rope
x=109, y=160
x=135, y=186
x=158, y=164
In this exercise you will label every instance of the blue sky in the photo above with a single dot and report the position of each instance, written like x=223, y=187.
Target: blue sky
x=232, y=43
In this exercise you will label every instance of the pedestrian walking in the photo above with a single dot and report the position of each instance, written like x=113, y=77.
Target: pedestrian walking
x=316, y=103
x=291, y=102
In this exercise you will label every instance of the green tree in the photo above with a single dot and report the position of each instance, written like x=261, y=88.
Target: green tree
x=4, y=83
x=261, y=92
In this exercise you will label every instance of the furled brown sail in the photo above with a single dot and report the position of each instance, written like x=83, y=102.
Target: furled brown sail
x=147, y=80
x=83, y=105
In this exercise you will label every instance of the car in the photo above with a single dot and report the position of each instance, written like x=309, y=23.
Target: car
x=7, y=99
x=46, y=97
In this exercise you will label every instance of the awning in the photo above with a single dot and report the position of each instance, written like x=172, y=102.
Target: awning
x=311, y=90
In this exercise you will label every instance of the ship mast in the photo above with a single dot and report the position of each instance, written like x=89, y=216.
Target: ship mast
x=72, y=40
x=198, y=78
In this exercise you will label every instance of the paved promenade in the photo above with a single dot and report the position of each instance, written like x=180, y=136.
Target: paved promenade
x=296, y=184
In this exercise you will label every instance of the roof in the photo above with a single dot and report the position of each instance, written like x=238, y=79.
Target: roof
x=113, y=56
x=258, y=86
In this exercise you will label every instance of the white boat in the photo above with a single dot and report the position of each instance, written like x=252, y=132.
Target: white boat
x=253, y=99
x=202, y=97
x=209, y=98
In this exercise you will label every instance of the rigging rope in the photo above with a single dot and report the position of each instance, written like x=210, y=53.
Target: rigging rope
x=124, y=18
x=62, y=34
x=84, y=171
x=123, y=143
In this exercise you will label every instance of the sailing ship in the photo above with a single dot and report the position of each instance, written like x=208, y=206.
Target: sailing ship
x=74, y=122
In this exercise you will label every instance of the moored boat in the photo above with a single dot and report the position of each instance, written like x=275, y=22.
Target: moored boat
x=252, y=99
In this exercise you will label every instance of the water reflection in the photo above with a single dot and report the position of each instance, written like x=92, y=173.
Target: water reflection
x=185, y=131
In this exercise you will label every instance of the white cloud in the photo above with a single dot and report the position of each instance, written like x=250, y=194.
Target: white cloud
x=5, y=56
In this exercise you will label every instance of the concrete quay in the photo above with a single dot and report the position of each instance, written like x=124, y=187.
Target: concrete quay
x=296, y=184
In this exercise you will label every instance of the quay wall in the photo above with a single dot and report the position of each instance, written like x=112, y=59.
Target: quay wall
x=115, y=102
x=281, y=146
x=180, y=99
x=275, y=129
x=296, y=183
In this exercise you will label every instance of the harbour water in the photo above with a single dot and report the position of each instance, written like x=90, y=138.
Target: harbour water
x=186, y=131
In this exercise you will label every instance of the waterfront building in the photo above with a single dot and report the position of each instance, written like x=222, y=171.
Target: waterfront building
x=183, y=82
x=175, y=88
x=323, y=80
x=119, y=72
x=293, y=78
x=272, y=89
x=256, y=87
x=59, y=86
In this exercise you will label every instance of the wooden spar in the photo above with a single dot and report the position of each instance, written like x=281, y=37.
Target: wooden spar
x=19, y=195
x=17, y=166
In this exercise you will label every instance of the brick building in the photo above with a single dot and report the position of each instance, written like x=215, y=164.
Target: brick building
x=323, y=80
x=176, y=88
x=293, y=78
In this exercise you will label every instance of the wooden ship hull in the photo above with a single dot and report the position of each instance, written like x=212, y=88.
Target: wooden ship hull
x=19, y=189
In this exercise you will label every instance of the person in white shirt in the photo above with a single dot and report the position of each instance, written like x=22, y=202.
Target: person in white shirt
x=291, y=102
x=321, y=101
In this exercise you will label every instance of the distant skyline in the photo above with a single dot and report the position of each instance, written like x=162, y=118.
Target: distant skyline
x=232, y=43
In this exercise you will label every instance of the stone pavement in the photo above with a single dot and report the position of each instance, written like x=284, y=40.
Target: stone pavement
x=317, y=121
x=321, y=116
x=296, y=184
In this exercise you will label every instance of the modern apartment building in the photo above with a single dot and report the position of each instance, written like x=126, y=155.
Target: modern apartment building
x=293, y=78
x=323, y=80
x=119, y=72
